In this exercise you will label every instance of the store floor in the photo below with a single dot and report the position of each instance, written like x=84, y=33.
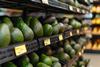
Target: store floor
x=94, y=59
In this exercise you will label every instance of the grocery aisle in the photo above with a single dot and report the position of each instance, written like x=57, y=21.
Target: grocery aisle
x=94, y=59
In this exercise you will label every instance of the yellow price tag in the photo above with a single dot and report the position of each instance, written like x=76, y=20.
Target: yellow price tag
x=80, y=54
x=71, y=34
x=45, y=1
x=78, y=31
x=78, y=10
x=60, y=37
x=83, y=11
x=71, y=8
x=20, y=50
x=47, y=41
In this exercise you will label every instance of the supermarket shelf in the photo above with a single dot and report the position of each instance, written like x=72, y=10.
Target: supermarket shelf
x=52, y=6
x=95, y=25
x=22, y=6
x=12, y=51
x=70, y=62
x=96, y=2
x=95, y=36
x=92, y=51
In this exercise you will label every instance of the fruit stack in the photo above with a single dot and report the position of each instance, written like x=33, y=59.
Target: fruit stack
x=82, y=62
x=49, y=56
x=94, y=46
x=17, y=30
x=96, y=31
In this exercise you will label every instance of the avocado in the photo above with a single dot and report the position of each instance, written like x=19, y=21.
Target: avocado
x=45, y=59
x=8, y=21
x=54, y=59
x=23, y=61
x=67, y=48
x=9, y=64
x=40, y=64
x=34, y=58
x=26, y=30
x=72, y=53
x=56, y=64
x=5, y=37
x=66, y=56
x=29, y=65
x=48, y=29
x=36, y=26
x=16, y=36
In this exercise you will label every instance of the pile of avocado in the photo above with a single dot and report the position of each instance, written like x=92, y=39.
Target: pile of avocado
x=50, y=57
x=81, y=62
x=18, y=30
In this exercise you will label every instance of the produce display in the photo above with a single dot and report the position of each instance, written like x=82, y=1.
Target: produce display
x=94, y=46
x=82, y=62
x=96, y=21
x=96, y=30
x=50, y=57
x=19, y=30
x=95, y=9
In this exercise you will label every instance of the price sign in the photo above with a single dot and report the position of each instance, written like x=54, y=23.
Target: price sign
x=80, y=54
x=60, y=37
x=71, y=34
x=45, y=1
x=78, y=10
x=47, y=41
x=84, y=47
x=71, y=8
x=83, y=11
x=78, y=31
x=20, y=50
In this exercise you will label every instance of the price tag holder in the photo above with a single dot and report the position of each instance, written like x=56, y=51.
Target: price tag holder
x=61, y=37
x=71, y=8
x=47, y=42
x=78, y=31
x=71, y=34
x=19, y=50
x=78, y=10
x=45, y=1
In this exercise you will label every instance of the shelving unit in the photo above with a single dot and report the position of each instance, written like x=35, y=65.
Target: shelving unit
x=51, y=6
x=15, y=51
x=9, y=53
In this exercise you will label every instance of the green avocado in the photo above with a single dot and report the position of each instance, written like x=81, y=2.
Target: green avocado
x=48, y=29
x=40, y=64
x=4, y=35
x=26, y=30
x=56, y=64
x=9, y=64
x=46, y=59
x=34, y=58
x=23, y=61
x=36, y=27
x=7, y=21
x=67, y=48
x=54, y=59
x=17, y=35
x=55, y=29
x=29, y=65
